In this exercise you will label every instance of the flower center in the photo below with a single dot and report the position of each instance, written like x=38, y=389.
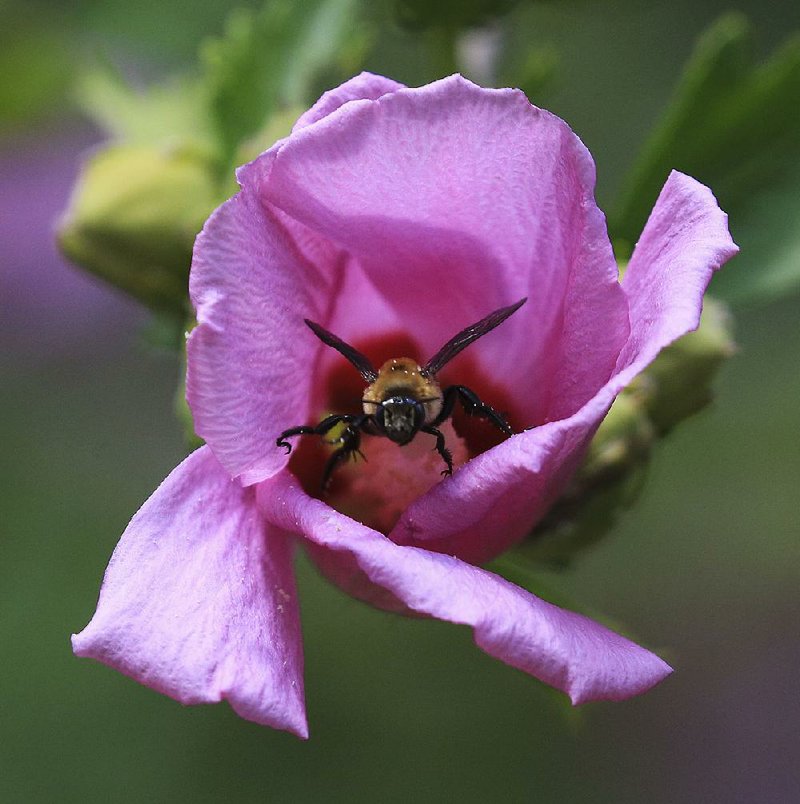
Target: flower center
x=375, y=492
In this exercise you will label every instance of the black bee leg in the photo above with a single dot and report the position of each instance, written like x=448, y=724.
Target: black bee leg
x=350, y=440
x=440, y=447
x=328, y=423
x=280, y=441
x=473, y=407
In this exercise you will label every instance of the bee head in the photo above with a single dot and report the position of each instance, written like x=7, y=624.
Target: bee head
x=400, y=418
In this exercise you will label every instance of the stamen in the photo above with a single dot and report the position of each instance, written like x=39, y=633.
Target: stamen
x=376, y=492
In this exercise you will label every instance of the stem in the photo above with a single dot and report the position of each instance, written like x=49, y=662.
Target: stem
x=442, y=48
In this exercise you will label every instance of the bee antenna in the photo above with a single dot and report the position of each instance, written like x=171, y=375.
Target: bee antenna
x=362, y=364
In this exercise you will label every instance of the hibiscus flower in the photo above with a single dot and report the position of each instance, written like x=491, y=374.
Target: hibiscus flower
x=394, y=217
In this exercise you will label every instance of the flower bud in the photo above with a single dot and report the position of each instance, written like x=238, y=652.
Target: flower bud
x=680, y=378
x=133, y=217
x=676, y=385
x=608, y=481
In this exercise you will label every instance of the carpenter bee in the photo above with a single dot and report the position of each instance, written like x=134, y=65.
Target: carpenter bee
x=402, y=398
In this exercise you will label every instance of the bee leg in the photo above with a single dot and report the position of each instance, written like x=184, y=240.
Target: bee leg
x=473, y=407
x=328, y=423
x=440, y=447
x=281, y=441
x=351, y=441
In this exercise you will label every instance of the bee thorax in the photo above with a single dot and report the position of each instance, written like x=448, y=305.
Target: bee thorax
x=402, y=379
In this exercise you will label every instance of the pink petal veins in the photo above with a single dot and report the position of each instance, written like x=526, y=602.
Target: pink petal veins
x=248, y=358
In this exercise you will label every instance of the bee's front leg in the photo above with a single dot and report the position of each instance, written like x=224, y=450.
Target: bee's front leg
x=440, y=447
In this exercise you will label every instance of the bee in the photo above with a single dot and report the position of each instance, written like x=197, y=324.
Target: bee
x=402, y=398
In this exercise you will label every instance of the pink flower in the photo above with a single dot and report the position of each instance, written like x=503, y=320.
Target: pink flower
x=392, y=211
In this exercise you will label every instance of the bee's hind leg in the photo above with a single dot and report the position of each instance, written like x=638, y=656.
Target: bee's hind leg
x=472, y=406
x=327, y=424
x=350, y=440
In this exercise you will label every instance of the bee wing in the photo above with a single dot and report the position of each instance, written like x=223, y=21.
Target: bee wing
x=467, y=336
x=361, y=363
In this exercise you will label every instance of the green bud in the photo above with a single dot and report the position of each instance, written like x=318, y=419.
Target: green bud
x=680, y=378
x=608, y=482
x=133, y=218
x=676, y=385
x=623, y=439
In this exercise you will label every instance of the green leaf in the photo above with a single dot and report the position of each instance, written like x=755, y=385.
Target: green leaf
x=734, y=125
x=328, y=30
x=35, y=69
x=768, y=233
x=265, y=65
x=169, y=113
x=268, y=60
x=452, y=14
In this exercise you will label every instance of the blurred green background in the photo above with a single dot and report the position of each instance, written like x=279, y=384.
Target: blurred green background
x=705, y=567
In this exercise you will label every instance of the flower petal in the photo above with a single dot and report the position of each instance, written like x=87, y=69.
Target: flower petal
x=364, y=86
x=456, y=200
x=199, y=600
x=250, y=357
x=564, y=649
x=496, y=499
x=684, y=241
x=493, y=501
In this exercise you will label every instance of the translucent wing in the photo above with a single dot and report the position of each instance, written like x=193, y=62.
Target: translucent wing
x=467, y=336
x=361, y=363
